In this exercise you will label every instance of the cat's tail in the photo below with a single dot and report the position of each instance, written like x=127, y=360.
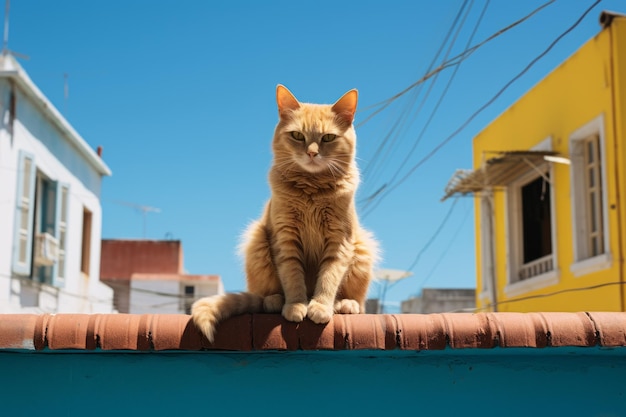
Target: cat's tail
x=207, y=312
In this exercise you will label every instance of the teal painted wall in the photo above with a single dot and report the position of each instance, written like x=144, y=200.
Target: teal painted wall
x=512, y=382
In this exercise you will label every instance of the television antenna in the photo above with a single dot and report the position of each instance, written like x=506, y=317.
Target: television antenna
x=143, y=209
x=389, y=277
x=5, y=36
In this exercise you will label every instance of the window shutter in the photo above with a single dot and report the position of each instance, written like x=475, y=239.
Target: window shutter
x=24, y=214
x=60, y=232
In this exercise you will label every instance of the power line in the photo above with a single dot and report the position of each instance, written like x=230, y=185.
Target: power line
x=434, y=236
x=50, y=289
x=369, y=199
x=56, y=291
x=377, y=155
x=550, y=294
x=445, y=252
x=441, y=97
x=383, y=193
x=449, y=63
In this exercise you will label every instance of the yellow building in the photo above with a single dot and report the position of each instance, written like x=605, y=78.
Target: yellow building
x=549, y=177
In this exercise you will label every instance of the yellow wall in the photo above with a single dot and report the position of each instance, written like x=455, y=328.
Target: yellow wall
x=618, y=49
x=575, y=93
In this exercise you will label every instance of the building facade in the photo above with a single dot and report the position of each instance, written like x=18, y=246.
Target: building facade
x=148, y=276
x=49, y=205
x=549, y=174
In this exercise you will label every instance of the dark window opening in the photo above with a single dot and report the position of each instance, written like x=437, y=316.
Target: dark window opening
x=536, y=219
x=189, y=298
x=85, y=260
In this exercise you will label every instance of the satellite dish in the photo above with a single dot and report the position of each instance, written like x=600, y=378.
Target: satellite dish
x=391, y=275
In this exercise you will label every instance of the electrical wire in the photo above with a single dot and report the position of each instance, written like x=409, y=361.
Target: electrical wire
x=52, y=290
x=445, y=252
x=56, y=291
x=408, y=109
x=547, y=295
x=439, y=101
x=383, y=193
x=434, y=236
x=449, y=63
x=379, y=152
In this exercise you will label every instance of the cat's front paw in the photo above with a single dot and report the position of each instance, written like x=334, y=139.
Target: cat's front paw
x=319, y=313
x=347, y=306
x=294, y=312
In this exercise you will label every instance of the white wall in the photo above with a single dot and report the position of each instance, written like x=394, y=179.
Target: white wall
x=165, y=296
x=55, y=157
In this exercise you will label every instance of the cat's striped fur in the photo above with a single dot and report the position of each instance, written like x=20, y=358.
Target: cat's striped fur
x=307, y=256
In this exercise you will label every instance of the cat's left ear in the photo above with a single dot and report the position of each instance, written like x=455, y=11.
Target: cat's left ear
x=345, y=107
x=286, y=101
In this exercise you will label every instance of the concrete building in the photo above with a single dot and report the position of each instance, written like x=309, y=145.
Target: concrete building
x=441, y=300
x=50, y=183
x=549, y=173
x=148, y=276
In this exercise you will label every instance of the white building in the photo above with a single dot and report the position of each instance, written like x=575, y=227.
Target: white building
x=440, y=300
x=50, y=213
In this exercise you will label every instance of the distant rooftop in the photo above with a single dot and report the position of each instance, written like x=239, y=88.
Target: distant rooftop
x=121, y=258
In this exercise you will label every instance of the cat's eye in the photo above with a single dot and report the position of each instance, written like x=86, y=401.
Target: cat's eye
x=297, y=135
x=329, y=137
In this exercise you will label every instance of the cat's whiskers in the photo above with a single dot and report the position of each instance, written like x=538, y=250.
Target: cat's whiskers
x=336, y=168
x=331, y=169
x=284, y=163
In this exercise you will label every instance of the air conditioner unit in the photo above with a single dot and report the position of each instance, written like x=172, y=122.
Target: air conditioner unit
x=46, y=249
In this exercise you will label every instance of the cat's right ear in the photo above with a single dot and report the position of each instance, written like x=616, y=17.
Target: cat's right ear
x=286, y=101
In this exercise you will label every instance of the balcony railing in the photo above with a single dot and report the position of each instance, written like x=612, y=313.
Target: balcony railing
x=536, y=267
x=46, y=249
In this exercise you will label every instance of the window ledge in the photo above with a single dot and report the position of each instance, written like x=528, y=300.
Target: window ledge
x=535, y=283
x=589, y=265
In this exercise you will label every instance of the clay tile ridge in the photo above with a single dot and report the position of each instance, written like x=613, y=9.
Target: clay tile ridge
x=258, y=332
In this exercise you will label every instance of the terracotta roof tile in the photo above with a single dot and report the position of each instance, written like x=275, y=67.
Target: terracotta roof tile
x=159, y=332
x=610, y=328
x=70, y=331
x=18, y=331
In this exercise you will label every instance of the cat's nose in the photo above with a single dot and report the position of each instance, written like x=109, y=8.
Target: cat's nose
x=313, y=150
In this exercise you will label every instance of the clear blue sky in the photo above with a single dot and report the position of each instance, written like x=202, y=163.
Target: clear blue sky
x=181, y=96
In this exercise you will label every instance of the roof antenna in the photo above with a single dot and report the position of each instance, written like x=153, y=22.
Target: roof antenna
x=5, y=39
x=143, y=209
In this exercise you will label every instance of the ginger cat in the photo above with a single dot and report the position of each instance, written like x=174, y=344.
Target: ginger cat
x=307, y=256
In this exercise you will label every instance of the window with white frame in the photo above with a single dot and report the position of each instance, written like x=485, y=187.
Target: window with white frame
x=589, y=207
x=593, y=196
x=531, y=229
x=40, y=224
